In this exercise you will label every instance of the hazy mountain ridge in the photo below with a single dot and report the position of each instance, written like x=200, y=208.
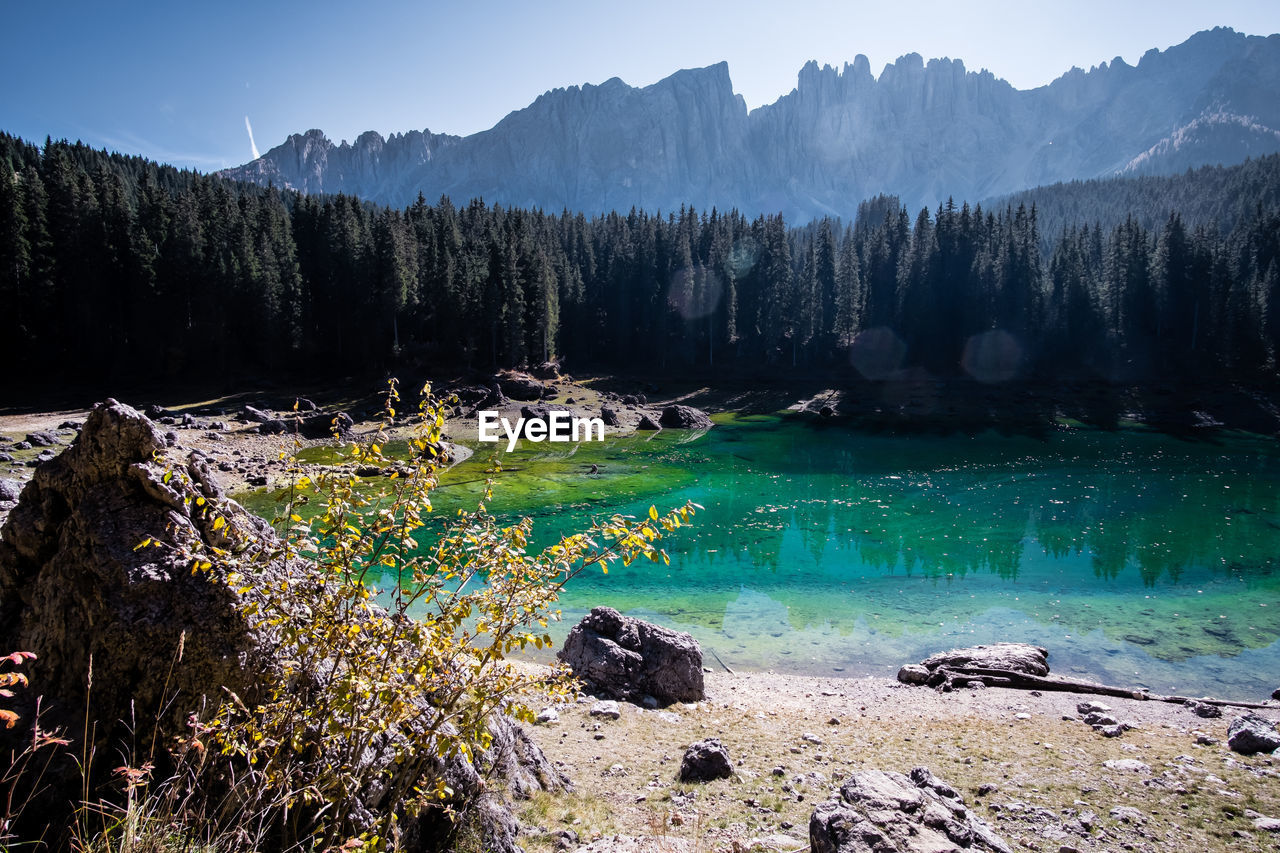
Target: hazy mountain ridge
x=924, y=131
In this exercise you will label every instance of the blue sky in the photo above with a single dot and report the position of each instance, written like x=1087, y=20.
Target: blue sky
x=176, y=81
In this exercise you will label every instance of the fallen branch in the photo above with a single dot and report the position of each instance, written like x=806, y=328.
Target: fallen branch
x=1020, y=681
x=722, y=663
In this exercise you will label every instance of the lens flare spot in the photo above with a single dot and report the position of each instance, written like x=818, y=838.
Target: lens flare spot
x=877, y=353
x=994, y=356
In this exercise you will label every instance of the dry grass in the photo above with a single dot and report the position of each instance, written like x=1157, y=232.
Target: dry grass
x=1194, y=798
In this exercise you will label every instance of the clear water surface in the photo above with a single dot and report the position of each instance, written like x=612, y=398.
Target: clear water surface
x=1136, y=558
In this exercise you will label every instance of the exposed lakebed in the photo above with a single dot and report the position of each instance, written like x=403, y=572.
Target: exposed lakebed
x=1137, y=558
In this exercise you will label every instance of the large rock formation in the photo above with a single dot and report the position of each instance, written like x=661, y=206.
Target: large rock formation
x=629, y=659
x=879, y=812
x=131, y=641
x=924, y=131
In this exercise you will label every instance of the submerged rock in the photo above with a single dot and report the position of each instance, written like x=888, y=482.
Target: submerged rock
x=881, y=812
x=627, y=658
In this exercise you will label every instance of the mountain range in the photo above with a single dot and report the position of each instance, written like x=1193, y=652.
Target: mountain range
x=924, y=131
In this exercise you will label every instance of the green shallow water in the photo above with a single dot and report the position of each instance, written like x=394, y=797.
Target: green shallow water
x=1135, y=558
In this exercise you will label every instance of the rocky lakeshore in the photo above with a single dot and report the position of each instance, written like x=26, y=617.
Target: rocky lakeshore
x=246, y=437
x=771, y=761
x=1027, y=764
x=1009, y=769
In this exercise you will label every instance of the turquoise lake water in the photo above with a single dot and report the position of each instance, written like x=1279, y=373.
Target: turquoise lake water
x=1136, y=558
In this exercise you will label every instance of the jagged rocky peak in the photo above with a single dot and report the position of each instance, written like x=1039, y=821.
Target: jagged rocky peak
x=921, y=130
x=310, y=162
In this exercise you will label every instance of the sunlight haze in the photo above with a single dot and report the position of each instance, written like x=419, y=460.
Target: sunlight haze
x=182, y=84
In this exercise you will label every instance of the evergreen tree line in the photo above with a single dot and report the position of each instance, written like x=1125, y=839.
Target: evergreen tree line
x=1221, y=195
x=114, y=267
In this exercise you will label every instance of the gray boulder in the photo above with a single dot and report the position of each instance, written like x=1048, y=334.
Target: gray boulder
x=1011, y=657
x=606, y=708
x=519, y=386
x=684, y=417
x=253, y=415
x=1206, y=710
x=1252, y=733
x=647, y=423
x=530, y=413
x=706, y=761
x=549, y=370
x=489, y=397
x=881, y=812
x=9, y=490
x=610, y=418
x=470, y=394
x=42, y=439
x=273, y=426
x=625, y=658
x=913, y=673
x=326, y=424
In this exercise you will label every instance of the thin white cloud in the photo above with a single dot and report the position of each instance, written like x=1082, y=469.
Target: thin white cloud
x=253, y=146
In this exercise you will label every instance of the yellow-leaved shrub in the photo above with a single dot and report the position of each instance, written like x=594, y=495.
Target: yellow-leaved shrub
x=418, y=667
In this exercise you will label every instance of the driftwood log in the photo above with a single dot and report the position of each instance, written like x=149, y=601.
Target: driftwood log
x=1020, y=666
